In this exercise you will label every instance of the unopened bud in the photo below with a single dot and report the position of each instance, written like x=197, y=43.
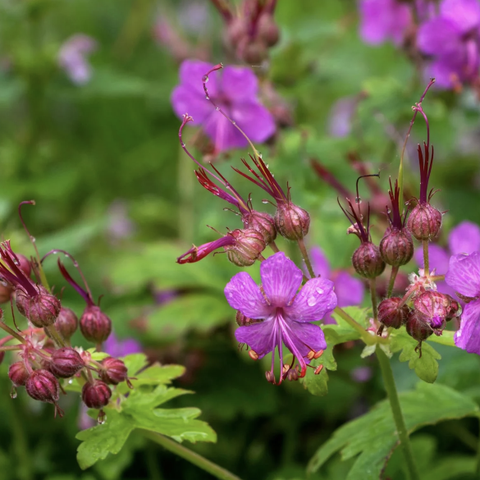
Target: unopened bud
x=237, y=29
x=66, y=323
x=268, y=30
x=95, y=325
x=96, y=394
x=263, y=223
x=253, y=52
x=113, y=371
x=248, y=246
x=18, y=373
x=391, y=314
x=417, y=328
x=396, y=247
x=43, y=386
x=65, y=362
x=292, y=222
x=41, y=309
x=432, y=307
x=367, y=260
x=424, y=222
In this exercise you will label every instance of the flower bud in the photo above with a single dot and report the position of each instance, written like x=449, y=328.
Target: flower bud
x=417, y=328
x=396, y=247
x=5, y=292
x=95, y=325
x=454, y=309
x=43, y=386
x=18, y=373
x=96, y=394
x=268, y=30
x=252, y=52
x=424, y=222
x=248, y=246
x=66, y=323
x=391, y=314
x=113, y=371
x=65, y=362
x=237, y=29
x=292, y=222
x=263, y=223
x=41, y=309
x=432, y=307
x=367, y=260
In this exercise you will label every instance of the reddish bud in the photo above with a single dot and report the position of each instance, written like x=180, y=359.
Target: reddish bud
x=454, y=309
x=5, y=292
x=253, y=52
x=433, y=307
x=367, y=260
x=96, y=394
x=41, y=309
x=391, y=314
x=66, y=323
x=396, y=247
x=65, y=362
x=261, y=222
x=43, y=386
x=292, y=222
x=248, y=246
x=18, y=373
x=417, y=328
x=424, y=222
x=237, y=29
x=113, y=371
x=95, y=325
x=268, y=30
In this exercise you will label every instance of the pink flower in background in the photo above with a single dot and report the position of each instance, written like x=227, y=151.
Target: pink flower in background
x=119, y=348
x=72, y=57
x=384, y=20
x=234, y=90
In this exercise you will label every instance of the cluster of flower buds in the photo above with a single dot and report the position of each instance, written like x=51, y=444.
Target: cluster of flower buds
x=250, y=29
x=43, y=353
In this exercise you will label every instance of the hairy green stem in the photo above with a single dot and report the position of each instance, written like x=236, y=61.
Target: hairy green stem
x=426, y=265
x=391, y=283
x=192, y=457
x=306, y=258
x=365, y=336
x=373, y=297
x=12, y=332
x=402, y=432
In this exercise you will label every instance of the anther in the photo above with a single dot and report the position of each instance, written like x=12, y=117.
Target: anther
x=253, y=355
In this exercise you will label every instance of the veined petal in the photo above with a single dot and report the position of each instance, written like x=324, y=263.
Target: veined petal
x=281, y=279
x=468, y=336
x=239, y=83
x=244, y=294
x=254, y=119
x=191, y=76
x=464, y=238
x=301, y=338
x=314, y=300
x=465, y=14
x=464, y=274
x=260, y=337
x=224, y=135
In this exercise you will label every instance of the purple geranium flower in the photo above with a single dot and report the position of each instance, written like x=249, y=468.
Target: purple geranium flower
x=235, y=92
x=119, y=348
x=72, y=57
x=383, y=20
x=463, y=239
x=349, y=290
x=453, y=40
x=286, y=314
x=464, y=277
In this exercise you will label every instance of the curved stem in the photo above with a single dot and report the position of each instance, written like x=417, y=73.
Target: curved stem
x=273, y=246
x=306, y=258
x=12, y=332
x=391, y=389
x=192, y=457
x=391, y=283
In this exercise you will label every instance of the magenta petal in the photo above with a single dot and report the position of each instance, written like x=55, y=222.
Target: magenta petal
x=464, y=274
x=191, y=76
x=340, y=117
x=244, y=294
x=438, y=36
x=465, y=14
x=185, y=100
x=314, y=300
x=320, y=263
x=254, y=119
x=464, y=238
x=447, y=70
x=239, y=83
x=281, y=279
x=438, y=258
x=301, y=338
x=349, y=290
x=468, y=336
x=223, y=134
x=260, y=337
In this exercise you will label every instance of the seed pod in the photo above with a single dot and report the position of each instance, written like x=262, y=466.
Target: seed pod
x=248, y=246
x=42, y=309
x=95, y=325
x=417, y=328
x=65, y=362
x=432, y=307
x=114, y=371
x=18, y=373
x=96, y=394
x=391, y=314
x=367, y=260
x=396, y=247
x=253, y=52
x=43, y=386
x=268, y=30
x=425, y=222
x=263, y=223
x=292, y=222
x=66, y=323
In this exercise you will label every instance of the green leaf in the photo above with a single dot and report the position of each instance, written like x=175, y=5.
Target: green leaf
x=373, y=436
x=426, y=366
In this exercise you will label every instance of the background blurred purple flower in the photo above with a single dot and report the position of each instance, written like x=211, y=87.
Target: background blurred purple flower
x=119, y=348
x=453, y=40
x=341, y=116
x=383, y=20
x=361, y=374
x=72, y=57
x=349, y=290
x=234, y=90
x=463, y=239
x=463, y=276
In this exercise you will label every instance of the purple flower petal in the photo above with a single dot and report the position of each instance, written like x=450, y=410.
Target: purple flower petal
x=119, y=348
x=224, y=135
x=239, y=83
x=340, y=117
x=244, y=294
x=439, y=36
x=438, y=258
x=301, y=338
x=464, y=238
x=349, y=290
x=191, y=76
x=468, y=336
x=254, y=119
x=465, y=14
x=185, y=100
x=448, y=70
x=281, y=279
x=464, y=274
x=320, y=263
x=260, y=337
x=315, y=299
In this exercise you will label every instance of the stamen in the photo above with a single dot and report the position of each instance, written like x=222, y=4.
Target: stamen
x=318, y=369
x=253, y=355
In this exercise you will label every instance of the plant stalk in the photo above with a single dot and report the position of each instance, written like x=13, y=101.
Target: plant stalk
x=306, y=258
x=391, y=284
